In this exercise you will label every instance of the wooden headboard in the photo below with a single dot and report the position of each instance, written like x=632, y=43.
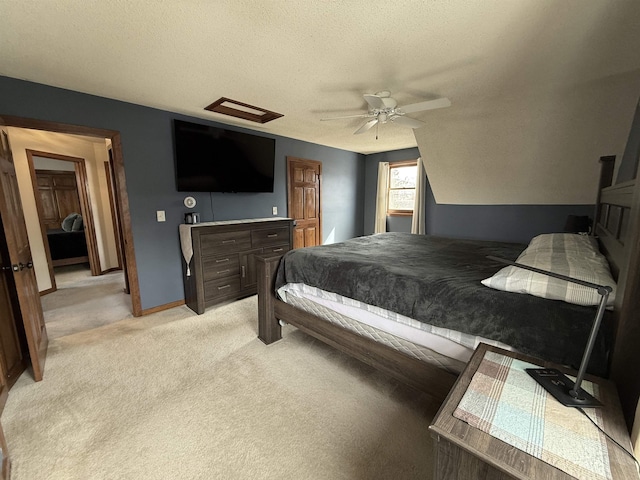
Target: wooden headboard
x=617, y=226
x=613, y=224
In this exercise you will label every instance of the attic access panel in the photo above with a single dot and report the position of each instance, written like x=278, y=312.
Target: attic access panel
x=233, y=108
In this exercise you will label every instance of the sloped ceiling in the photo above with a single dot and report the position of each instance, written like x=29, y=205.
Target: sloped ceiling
x=315, y=58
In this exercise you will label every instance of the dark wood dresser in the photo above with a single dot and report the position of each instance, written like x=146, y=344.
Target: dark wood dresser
x=223, y=267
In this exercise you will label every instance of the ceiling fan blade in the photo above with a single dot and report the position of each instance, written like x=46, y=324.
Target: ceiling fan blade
x=407, y=121
x=374, y=101
x=362, y=115
x=366, y=126
x=428, y=105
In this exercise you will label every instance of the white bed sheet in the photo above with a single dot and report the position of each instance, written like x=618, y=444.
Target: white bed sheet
x=446, y=342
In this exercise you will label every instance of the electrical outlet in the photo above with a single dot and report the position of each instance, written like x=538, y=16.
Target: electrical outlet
x=275, y=210
x=160, y=216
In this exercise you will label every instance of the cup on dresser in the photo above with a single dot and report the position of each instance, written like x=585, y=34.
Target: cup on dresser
x=192, y=217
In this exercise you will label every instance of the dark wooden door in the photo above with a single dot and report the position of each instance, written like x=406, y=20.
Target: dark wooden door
x=50, y=216
x=12, y=361
x=58, y=196
x=303, y=188
x=17, y=242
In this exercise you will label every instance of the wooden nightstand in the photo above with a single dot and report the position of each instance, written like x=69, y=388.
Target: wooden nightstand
x=464, y=452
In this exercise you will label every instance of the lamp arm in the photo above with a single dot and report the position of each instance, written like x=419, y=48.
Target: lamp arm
x=599, y=288
x=592, y=340
x=603, y=291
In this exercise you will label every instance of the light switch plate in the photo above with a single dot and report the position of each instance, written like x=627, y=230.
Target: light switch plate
x=275, y=210
x=160, y=216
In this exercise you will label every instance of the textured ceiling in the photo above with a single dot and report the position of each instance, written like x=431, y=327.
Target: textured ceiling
x=311, y=59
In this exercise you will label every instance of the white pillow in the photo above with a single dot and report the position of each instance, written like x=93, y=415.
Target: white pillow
x=569, y=254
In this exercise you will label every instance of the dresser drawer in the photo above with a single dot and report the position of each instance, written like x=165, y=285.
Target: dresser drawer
x=220, y=243
x=224, y=258
x=268, y=237
x=220, y=267
x=277, y=249
x=223, y=287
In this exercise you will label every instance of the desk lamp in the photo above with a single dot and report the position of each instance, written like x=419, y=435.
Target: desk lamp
x=552, y=380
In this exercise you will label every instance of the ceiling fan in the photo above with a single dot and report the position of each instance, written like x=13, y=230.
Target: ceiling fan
x=383, y=108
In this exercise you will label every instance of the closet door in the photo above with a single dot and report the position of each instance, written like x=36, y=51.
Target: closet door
x=58, y=196
x=49, y=212
x=66, y=193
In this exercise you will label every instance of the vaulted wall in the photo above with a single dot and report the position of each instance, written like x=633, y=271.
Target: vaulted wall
x=538, y=147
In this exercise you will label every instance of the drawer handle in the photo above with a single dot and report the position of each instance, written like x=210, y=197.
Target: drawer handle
x=222, y=271
x=244, y=271
x=228, y=241
x=222, y=261
x=272, y=235
x=277, y=250
x=224, y=286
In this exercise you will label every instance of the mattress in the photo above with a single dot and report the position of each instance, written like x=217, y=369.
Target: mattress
x=444, y=348
x=436, y=282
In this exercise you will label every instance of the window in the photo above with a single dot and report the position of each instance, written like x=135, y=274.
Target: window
x=402, y=187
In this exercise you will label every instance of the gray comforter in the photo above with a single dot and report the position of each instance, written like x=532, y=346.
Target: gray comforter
x=436, y=280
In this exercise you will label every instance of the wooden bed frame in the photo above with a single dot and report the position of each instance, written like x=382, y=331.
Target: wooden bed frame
x=617, y=228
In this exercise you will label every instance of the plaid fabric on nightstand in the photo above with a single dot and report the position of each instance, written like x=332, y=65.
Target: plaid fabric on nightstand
x=505, y=402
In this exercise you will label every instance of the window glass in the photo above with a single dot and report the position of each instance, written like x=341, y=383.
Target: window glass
x=401, y=199
x=402, y=187
x=403, y=177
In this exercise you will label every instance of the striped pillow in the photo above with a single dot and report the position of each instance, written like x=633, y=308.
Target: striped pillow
x=569, y=254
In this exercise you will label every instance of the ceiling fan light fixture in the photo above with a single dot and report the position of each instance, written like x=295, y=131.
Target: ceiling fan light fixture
x=390, y=102
x=383, y=108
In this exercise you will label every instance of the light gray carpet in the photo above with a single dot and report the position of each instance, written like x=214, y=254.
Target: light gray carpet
x=83, y=302
x=180, y=396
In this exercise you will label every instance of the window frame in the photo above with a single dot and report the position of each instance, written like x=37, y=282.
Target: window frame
x=392, y=165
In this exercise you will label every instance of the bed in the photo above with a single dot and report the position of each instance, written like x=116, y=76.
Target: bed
x=67, y=248
x=68, y=244
x=445, y=294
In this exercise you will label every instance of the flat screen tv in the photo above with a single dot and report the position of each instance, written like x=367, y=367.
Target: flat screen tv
x=211, y=159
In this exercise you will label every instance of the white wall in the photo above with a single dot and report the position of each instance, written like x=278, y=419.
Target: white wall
x=101, y=205
x=43, y=163
x=95, y=154
x=538, y=148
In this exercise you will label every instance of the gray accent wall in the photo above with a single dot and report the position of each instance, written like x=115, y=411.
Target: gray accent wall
x=508, y=223
x=147, y=146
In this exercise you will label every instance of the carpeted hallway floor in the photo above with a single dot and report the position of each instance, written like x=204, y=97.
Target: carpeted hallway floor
x=83, y=302
x=176, y=395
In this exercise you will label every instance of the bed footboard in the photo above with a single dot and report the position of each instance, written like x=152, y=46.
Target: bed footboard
x=269, y=329
x=411, y=371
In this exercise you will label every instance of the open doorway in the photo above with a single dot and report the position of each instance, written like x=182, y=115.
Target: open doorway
x=120, y=264
x=75, y=213
x=77, y=218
